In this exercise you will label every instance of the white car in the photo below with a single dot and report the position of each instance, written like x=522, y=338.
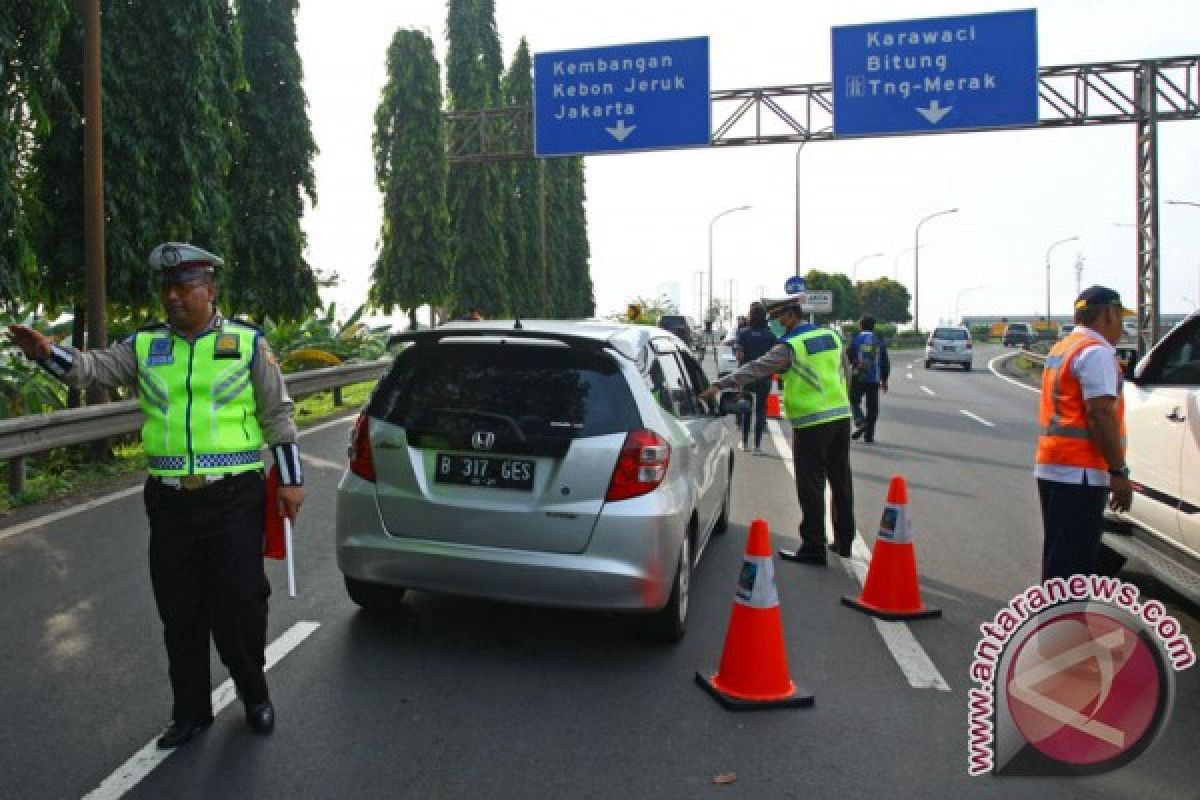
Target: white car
x=1162, y=415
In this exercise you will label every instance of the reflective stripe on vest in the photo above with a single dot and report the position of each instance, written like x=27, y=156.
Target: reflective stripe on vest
x=201, y=415
x=1064, y=439
x=814, y=388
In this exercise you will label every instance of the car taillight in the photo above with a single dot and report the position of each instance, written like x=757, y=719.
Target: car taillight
x=362, y=463
x=641, y=466
x=968, y=344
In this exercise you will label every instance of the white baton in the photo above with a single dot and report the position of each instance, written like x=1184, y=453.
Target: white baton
x=291, y=564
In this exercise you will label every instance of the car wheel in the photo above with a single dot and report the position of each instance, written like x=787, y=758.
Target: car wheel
x=928, y=364
x=967, y=367
x=669, y=624
x=374, y=596
x=722, y=523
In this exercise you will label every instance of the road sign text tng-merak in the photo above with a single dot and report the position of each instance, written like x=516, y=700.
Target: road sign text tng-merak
x=929, y=75
x=647, y=96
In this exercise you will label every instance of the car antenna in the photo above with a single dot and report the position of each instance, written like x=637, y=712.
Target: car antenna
x=517, y=326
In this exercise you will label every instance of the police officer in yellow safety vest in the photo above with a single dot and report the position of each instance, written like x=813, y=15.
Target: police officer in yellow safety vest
x=1081, y=444
x=213, y=395
x=815, y=371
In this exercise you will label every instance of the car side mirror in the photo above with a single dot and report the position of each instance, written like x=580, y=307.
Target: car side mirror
x=734, y=402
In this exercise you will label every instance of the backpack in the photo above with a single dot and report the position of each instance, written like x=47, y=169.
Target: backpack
x=868, y=354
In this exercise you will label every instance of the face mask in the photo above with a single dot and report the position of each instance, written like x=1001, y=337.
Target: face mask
x=776, y=327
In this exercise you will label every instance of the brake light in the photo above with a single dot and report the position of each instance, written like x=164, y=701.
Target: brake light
x=641, y=466
x=362, y=462
x=968, y=344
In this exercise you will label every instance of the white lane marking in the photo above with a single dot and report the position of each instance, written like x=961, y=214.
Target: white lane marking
x=914, y=662
x=323, y=462
x=992, y=367
x=909, y=376
x=928, y=391
x=977, y=418
x=96, y=502
x=143, y=762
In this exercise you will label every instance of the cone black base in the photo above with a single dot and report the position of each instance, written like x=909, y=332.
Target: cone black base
x=797, y=699
x=892, y=616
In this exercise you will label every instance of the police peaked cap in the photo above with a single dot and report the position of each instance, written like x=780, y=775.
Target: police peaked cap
x=180, y=255
x=780, y=304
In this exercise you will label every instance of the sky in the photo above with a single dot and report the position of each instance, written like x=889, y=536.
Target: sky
x=650, y=214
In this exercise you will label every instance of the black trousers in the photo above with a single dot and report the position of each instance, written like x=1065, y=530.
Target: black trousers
x=1072, y=523
x=206, y=566
x=858, y=391
x=761, y=389
x=822, y=453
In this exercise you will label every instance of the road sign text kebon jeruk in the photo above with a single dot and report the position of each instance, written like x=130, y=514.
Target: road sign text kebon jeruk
x=647, y=96
x=929, y=75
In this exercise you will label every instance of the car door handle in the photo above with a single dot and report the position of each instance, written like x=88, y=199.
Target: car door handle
x=1174, y=416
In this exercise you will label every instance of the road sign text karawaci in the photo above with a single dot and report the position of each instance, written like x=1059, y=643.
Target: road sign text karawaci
x=897, y=63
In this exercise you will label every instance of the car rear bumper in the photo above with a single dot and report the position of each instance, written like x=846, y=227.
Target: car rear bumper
x=948, y=356
x=628, y=565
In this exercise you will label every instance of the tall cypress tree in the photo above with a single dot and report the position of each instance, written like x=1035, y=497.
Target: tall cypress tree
x=169, y=107
x=410, y=171
x=579, y=299
x=272, y=171
x=558, y=236
x=476, y=191
x=523, y=231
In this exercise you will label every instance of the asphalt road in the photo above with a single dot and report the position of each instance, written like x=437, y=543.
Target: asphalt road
x=457, y=698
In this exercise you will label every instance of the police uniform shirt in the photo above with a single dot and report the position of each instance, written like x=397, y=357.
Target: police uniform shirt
x=1096, y=369
x=117, y=366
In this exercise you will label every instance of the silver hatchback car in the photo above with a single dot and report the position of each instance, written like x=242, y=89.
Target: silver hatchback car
x=542, y=462
x=949, y=345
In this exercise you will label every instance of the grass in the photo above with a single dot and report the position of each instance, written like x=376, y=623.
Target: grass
x=52, y=476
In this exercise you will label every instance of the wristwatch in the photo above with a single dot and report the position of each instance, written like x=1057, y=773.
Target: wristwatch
x=1121, y=472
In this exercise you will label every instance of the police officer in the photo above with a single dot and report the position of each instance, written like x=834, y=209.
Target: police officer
x=813, y=363
x=213, y=395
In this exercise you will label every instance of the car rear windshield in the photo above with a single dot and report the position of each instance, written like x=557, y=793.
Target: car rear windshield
x=952, y=334
x=670, y=321
x=534, y=398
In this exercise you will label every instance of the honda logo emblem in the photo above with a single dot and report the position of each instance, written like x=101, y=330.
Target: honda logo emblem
x=483, y=440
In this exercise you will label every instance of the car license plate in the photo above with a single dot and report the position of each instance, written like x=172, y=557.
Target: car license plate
x=485, y=471
x=948, y=348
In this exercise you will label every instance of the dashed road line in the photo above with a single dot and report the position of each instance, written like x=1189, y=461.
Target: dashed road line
x=977, y=418
x=928, y=391
x=143, y=762
x=914, y=662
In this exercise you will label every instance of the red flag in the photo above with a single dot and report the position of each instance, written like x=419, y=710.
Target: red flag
x=274, y=542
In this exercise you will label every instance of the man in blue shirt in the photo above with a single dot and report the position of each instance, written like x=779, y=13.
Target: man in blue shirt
x=871, y=370
x=754, y=340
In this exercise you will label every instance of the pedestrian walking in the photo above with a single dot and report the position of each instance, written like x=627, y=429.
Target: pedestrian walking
x=815, y=372
x=871, y=369
x=1081, y=446
x=755, y=340
x=213, y=395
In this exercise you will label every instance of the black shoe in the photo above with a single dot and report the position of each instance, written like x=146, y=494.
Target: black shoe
x=178, y=734
x=869, y=440
x=858, y=432
x=842, y=550
x=261, y=717
x=803, y=557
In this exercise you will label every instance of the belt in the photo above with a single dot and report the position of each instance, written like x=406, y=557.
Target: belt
x=191, y=482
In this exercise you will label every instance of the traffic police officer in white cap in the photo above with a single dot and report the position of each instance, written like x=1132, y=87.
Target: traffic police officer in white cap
x=213, y=395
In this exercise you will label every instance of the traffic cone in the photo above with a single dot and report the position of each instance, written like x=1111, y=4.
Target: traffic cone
x=773, y=409
x=892, y=590
x=754, y=669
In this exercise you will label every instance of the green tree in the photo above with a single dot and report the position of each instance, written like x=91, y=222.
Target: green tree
x=169, y=76
x=884, y=299
x=845, y=299
x=558, y=237
x=523, y=221
x=272, y=170
x=578, y=297
x=476, y=192
x=29, y=41
x=410, y=171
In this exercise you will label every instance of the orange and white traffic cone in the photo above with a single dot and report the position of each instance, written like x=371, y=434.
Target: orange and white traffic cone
x=754, y=668
x=892, y=590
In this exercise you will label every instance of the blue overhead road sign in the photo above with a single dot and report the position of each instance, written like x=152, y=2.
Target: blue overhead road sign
x=647, y=96
x=928, y=75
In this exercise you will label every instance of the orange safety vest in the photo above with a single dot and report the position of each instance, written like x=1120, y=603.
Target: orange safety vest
x=1064, y=439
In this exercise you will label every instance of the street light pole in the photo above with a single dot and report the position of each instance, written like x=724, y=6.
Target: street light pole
x=712, y=222
x=917, y=265
x=1048, y=250
x=800, y=149
x=854, y=269
x=1193, y=205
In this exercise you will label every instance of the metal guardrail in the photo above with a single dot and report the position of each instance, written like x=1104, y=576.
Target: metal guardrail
x=37, y=433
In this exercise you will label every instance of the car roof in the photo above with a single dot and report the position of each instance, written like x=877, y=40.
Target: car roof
x=628, y=340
